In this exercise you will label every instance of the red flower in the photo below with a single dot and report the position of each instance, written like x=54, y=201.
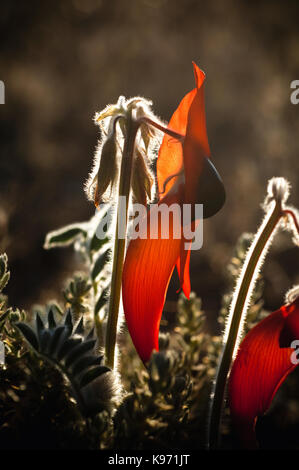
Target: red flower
x=262, y=363
x=185, y=175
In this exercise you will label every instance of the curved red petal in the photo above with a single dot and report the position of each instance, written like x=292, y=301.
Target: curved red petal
x=147, y=271
x=149, y=263
x=175, y=157
x=188, y=120
x=261, y=365
x=183, y=268
x=170, y=158
x=196, y=145
x=183, y=262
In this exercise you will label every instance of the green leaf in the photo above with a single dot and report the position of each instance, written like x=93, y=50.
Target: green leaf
x=102, y=300
x=67, y=346
x=51, y=319
x=79, y=350
x=28, y=334
x=65, y=236
x=90, y=334
x=72, y=354
x=55, y=308
x=93, y=374
x=100, y=263
x=45, y=340
x=79, y=328
x=97, y=243
x=68, y=320
x=4, y=316
x=55, y=341
x=85, y=362
x=3, y=264
x=4, y=273
x=4, y=280
x=39, y=326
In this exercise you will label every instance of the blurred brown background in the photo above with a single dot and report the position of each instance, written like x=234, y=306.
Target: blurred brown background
x=63, y=60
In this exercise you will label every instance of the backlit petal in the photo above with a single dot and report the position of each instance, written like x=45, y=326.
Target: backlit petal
x=147, y=271
x=149, y=263
x=189, y=120
x=262, y=363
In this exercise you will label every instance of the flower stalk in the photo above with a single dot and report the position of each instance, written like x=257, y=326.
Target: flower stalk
x=160, y=127
x=120, y=242
x=238, y=310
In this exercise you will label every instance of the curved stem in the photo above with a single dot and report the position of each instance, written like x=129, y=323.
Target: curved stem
x=162, y=128
x=292, y=214
x=120, y=238
x=238, y=309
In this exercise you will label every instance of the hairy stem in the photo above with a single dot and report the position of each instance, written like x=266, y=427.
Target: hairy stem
x=237, y=312
x=293, y=216
x=164, y=129
x=120, y=241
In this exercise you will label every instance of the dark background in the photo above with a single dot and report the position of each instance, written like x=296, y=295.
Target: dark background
x=63, y=60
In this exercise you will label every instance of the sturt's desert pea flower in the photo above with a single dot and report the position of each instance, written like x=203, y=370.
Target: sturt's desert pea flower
x=265, y=358
x=185, y=175
x=277, y=216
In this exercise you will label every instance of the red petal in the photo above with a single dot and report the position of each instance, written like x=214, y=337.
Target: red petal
x=183, y=263
x=183, y=269
x=147, y=271
x=170, y=158
x=189, y=120
x=149, y=263
x=196, y=145
x=262, y=363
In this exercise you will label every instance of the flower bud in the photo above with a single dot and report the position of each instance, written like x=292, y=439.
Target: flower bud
x=142, y=179
x=147, y=134
x=278, y=190
x=104, y=173
x=107, y=173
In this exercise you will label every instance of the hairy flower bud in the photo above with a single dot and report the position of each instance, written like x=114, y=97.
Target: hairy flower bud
x=107, y=173
x=278, y=190
x=142, y=180
x=105, y=169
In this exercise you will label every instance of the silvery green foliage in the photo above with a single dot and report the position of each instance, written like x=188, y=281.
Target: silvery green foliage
x=7, y=314
x=83, y=235
x=155, y=413
x=73, y=352
x=76, y=294
x=96, y=253
x=166, y=405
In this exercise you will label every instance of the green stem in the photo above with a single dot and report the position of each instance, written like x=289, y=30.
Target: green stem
x=97, y=320
x=120, y=243
x=162, y=128
x=238, y=309
x=293, y=216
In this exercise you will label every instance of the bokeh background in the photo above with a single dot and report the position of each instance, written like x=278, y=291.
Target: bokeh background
x=61, y=61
